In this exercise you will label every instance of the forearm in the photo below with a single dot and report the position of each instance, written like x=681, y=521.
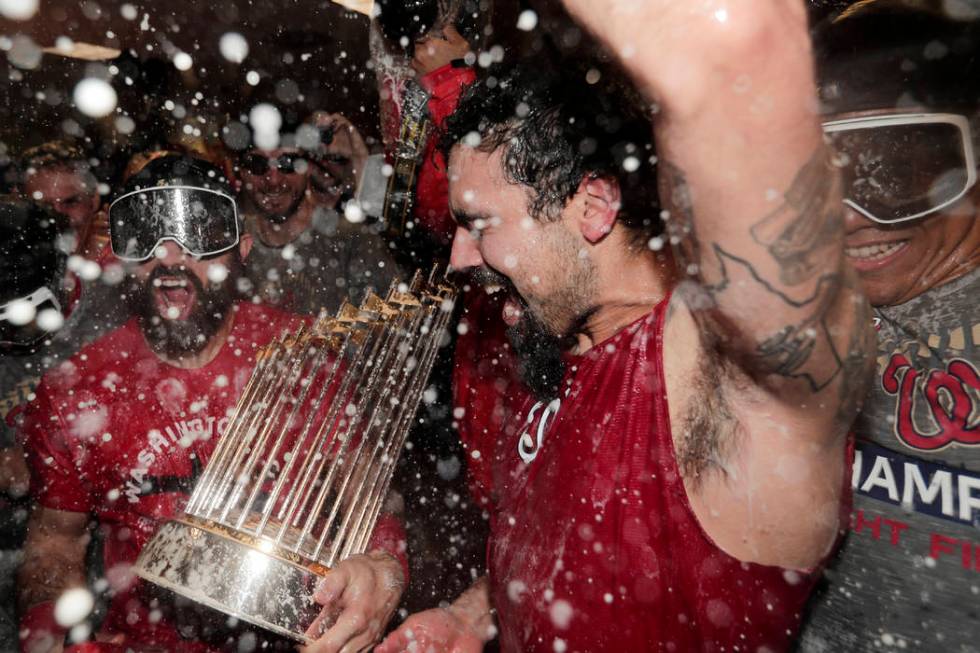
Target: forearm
x=473, y=608
x=53, y=562
x=45, y=575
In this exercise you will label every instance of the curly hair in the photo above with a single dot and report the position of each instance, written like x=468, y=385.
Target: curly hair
x=558, y=126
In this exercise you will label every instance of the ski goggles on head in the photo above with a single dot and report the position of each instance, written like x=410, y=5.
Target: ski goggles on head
x=258, y=164
x=202, y=221
x=902, y=167
x=19, y=325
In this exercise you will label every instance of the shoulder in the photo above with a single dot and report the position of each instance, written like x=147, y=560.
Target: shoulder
x=89, y=375
x=122, y=345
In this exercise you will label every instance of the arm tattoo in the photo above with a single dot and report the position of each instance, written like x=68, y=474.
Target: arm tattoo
x=800, y=236
x=800, y=232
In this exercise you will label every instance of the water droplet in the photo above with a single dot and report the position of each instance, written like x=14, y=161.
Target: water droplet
x=94, y=97
x=18, y=9
x=233, y=47
x=527, y=21
x=183, y=61
x=72, y=606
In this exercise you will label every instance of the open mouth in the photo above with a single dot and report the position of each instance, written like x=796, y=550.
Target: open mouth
x=873, y=255
x=494, y=284
x=174, y=297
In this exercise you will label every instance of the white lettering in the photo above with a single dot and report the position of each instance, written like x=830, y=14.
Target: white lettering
x=157, y=441
x=170, y=434
x=881, y=475
x=968, y=502
x=132, y=492
x=856, y=469
x=942, y=482
x=145, y=459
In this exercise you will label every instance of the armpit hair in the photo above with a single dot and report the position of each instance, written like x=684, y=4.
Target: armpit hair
x=710, y=430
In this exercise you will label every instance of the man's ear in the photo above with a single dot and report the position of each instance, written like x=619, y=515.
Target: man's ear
x=245, y=243
x=601, y=200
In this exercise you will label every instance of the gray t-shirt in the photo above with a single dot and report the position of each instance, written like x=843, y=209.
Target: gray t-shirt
x=327, y=263
x=908, y=576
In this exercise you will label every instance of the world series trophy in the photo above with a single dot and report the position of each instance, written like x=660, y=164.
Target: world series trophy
x=296, y=483
x=413, y=132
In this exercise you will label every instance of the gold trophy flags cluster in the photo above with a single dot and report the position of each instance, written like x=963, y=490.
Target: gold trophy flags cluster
x=298, y=479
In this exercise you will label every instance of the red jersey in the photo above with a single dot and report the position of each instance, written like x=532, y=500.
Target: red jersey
x=121, y=434
x=594, y=545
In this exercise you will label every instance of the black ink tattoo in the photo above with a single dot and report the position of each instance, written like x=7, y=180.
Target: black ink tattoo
x=800, y=236
x=825, y=338
x=805, y=229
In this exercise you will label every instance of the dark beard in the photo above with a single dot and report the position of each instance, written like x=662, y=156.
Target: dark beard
x=538, y=350
x=176, y=338
x=539, y=356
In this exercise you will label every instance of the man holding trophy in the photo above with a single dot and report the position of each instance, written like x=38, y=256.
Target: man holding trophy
x=121, y=432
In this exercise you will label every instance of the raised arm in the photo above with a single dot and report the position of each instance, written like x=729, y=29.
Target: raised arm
x=755, y=221
x=753, y=198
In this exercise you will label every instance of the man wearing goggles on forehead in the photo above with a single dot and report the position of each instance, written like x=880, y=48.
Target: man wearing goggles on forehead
x=122, y=432
x=901, y=87
x=307, y=256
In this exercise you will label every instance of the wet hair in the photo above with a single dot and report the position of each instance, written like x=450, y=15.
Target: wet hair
x=556, y=129
x=890, y=54
x=58, y=154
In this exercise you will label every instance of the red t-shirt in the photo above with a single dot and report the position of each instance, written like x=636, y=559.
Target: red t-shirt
x=594, y=545
x=119, y=433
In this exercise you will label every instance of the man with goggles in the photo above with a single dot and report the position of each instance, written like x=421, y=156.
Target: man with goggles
x=307, y=256
x=901, y=87
x=120, y=432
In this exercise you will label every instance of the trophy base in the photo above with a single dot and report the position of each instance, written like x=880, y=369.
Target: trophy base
x=238, y=579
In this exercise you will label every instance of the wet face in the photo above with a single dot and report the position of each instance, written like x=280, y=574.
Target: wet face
x=66, y=192
x=897, y=262
x=543, y=268
x=275, y=182
x=182, y=300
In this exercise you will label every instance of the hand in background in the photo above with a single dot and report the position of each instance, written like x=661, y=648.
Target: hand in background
x=338, y=164
x=439, y=629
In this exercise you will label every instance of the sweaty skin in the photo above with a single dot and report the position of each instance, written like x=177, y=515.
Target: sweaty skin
x=897, y=263
x=766, y=316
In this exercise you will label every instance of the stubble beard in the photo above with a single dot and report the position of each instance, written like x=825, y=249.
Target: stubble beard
x=544, y=332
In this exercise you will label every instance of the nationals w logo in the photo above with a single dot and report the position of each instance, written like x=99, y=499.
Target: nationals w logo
x=949, y=400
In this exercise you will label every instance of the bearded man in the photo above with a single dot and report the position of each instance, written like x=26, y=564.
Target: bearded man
x=119, y=433
x=677, y=482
